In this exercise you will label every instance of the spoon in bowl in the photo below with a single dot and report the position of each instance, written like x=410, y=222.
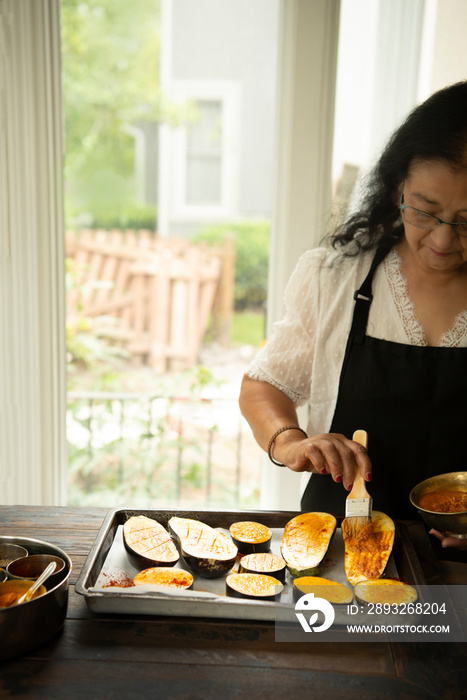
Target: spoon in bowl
x=37, y=584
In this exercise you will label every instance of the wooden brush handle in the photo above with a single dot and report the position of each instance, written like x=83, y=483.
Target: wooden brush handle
x=358, y=488
x=361, y=436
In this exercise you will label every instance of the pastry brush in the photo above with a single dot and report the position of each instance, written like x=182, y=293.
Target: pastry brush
x=359, y=503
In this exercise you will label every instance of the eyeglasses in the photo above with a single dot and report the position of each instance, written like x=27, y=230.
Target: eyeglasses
x=421, y=219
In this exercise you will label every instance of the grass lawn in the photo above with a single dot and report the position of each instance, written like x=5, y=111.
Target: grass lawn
x=248, y=328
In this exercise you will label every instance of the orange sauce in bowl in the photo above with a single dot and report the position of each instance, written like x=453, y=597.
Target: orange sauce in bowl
x=11, y=591
x=444, y=501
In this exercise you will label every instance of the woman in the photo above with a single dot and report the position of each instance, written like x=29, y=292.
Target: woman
x=375, y=333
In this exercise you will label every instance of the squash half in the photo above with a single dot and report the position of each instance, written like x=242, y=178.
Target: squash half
x=167, y=577
x=385, y=591
x=305, y=542
x=332, y=591
x=210, y=553
x=367, y=554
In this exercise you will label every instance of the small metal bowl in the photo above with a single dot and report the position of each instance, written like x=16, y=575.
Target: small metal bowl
x=32, y=566
x=450, y=524
x=9, y=552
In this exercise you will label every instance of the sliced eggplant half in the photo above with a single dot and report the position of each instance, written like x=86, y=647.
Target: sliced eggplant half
x=208, y=552
x=332, y=591
x=263, y=563
x=385, y=590
x=367, y=553
x=305, y=542
x=148, y=542
x=249, y=536
x=255, y=586
x=168, y=577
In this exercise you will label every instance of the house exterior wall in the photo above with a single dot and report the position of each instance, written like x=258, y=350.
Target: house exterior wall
x=232, y=46
x=450, y=53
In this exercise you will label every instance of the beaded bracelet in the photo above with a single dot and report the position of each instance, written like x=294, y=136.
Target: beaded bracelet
x=273, y=439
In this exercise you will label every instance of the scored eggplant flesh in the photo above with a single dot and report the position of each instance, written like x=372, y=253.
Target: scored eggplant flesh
x=253, y=586
x=305, y=542
x=263, y=563
x=208, y=552
x=149, y=541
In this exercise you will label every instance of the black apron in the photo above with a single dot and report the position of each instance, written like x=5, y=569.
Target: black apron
x=412, y=402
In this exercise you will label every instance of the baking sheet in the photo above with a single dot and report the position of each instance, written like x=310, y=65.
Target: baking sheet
x=108, y=562
x=119, y=568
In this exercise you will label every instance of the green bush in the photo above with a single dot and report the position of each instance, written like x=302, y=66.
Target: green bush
x=251, y=258
x=132, y=217
x=127, y=216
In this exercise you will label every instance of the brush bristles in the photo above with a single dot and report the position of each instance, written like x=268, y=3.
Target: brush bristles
x=355, y=525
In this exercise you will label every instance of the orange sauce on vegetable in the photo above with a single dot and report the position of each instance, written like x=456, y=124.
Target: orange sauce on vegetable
x=444, y=501
x=366, y=539
x=365, y=549
x=250, y=531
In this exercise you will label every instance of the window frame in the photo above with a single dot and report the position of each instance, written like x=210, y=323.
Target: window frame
x=229, y=95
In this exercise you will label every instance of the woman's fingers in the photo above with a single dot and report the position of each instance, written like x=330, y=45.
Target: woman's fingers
x=314, y=455
x=335, y=454
x=448, y=541
x=363, y=462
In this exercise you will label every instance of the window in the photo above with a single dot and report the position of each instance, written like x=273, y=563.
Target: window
x=204, y=155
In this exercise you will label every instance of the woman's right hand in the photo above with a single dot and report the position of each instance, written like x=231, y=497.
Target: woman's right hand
x=267, y=409
x=327, y=453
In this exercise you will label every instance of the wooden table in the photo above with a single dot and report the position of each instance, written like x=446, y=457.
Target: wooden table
x=97, y=656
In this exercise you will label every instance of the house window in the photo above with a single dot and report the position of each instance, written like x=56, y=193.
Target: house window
x=202, y=155
x=203, y=181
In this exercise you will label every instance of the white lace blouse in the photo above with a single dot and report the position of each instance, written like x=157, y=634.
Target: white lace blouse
x=304, y=355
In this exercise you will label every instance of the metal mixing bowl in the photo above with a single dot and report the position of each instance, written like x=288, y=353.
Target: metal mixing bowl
x=451, y=524
x=9, y=552
x=30, y=625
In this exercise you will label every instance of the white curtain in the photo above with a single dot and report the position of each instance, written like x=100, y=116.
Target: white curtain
x=32, y=317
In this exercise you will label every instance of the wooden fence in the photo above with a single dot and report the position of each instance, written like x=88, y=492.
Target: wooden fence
x=149, y=294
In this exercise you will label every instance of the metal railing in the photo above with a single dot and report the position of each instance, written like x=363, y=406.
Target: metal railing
x=141, y=449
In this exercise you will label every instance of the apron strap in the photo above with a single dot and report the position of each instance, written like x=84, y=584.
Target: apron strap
x=363, y=297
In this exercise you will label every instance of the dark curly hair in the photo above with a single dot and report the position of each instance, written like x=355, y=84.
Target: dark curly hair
x=435, y=130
